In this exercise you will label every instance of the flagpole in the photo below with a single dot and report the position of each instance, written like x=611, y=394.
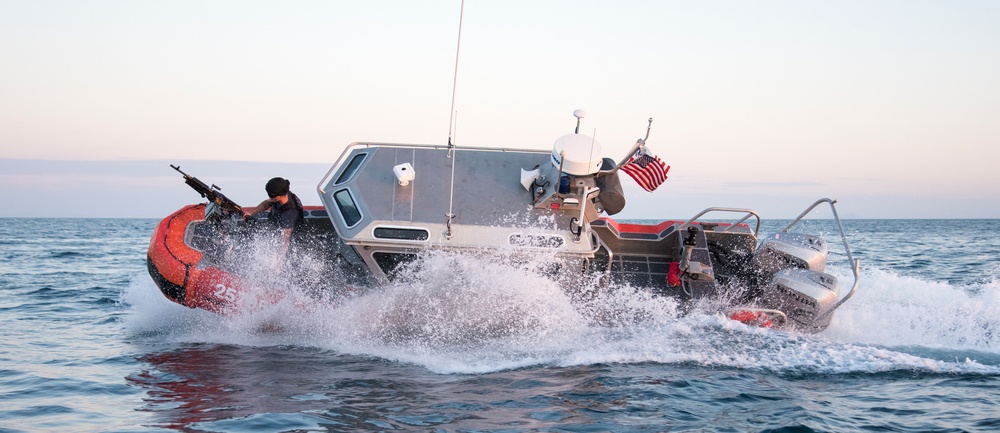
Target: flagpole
x=638, y=144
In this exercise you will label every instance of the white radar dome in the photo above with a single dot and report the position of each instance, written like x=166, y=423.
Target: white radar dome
x=582, y=154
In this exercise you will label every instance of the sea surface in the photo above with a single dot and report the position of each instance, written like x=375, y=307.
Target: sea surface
x=469, y=345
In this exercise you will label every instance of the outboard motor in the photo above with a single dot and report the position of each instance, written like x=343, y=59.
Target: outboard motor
x=803, y=295
x=791, y=250
x=798, y=286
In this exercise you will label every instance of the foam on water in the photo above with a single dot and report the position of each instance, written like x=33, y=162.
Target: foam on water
x=475, y=314
x=893, y=310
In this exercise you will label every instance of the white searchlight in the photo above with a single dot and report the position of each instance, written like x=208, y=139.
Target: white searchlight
x=404, y=173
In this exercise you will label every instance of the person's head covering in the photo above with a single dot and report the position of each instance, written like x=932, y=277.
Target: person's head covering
x=276, y=187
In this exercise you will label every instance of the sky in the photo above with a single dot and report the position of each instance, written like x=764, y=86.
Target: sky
x=891, y=107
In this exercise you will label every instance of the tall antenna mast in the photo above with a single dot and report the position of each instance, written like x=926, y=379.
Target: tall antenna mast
x=454, y=83
x=451, y=118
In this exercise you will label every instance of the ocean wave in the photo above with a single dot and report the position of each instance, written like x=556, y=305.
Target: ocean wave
x=467, y=315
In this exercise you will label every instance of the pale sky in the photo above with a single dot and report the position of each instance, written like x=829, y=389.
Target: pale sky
x=893, y=107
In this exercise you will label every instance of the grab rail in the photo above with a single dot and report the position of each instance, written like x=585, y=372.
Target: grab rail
x=855, y=264
x=333, y=169
x=749, y=213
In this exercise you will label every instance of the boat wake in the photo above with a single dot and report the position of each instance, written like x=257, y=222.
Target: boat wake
x=467, y=314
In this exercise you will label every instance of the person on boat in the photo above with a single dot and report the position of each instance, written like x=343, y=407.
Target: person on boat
x=284, y=207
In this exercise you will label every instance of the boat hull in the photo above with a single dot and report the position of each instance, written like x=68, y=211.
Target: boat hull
x=178, y=270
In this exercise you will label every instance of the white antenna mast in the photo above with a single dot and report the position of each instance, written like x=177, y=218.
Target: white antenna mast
x=454, y=82
x=451, y=118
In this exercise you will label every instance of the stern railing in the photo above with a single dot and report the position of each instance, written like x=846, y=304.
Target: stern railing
x=749, y=213
x=855, y=264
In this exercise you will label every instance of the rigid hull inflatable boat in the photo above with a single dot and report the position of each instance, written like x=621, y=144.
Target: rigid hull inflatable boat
x=195, y=258
x=384, y=205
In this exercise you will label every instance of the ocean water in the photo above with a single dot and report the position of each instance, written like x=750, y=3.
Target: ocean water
x=89, y=344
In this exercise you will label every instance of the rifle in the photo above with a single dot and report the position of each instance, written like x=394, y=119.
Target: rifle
x=212, y=193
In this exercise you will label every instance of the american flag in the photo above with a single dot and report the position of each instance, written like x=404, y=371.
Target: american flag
x=646, y=169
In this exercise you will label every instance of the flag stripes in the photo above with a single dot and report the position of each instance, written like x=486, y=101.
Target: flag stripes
x=646, y=169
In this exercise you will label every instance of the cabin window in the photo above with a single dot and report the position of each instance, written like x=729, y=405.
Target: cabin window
x=401, y=233
x=352, y=167
x=348, y=208
x=390, y=262
x=537, y=241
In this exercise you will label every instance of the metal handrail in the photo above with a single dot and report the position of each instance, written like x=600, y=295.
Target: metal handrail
x=445, y=146
x=856, y=264
x=749, y=213
x=611, y=256
x=333, y=168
